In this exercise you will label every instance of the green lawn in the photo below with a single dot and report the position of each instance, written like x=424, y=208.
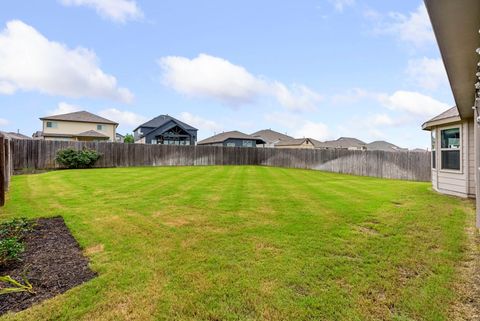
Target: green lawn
x=249, y=243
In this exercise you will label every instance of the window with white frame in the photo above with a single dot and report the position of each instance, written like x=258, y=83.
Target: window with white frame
x=52, y=124
x=434, y=154
x=450, y=148
x=100, y=127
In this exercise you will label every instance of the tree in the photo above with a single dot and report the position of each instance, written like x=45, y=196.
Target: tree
x=128, y=139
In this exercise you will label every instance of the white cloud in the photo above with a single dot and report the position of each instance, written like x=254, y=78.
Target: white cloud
x=123, y=117
x=316, y=130
x=64, y=108
x=340, y=5
x=30, y=62
x=115, y=10
x=3, y=122
x=381, y=120
x=427, y=73
x=200, y=123
x=299, y=127
x=413, y=28
x=414, y=103
x=216, y=78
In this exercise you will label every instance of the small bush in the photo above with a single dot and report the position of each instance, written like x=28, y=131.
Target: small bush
x=15, y=228
x=10, y=250
x=129, y=139
x=71, y=158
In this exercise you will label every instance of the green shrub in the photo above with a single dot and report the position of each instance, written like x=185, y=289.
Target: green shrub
x=10, y=250
x=71, y=158
x=129, y=139
x=15, y=228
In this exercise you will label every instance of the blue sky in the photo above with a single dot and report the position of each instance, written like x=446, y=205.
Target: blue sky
x=312, y=68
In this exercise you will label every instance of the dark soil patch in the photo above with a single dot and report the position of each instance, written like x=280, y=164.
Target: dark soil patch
x=53, y=263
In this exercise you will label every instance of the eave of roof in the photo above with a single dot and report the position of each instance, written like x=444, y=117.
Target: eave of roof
x=456, y=24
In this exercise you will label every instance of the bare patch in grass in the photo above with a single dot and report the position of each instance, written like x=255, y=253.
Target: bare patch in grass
x=99, y=248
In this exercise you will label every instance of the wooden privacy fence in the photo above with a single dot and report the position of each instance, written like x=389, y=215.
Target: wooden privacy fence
x=6, y=168
x=33, y=155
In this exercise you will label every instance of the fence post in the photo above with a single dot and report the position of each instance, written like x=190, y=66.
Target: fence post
x=3, y=174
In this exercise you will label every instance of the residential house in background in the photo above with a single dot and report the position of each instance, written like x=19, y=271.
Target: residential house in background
x=13, y=135
x=77, y=126
x=453, y=160
x=119, y=138
x=384, y=146
x=232, y=139
x=349, y=143
x=165, y=130
x=271, y=137
x=308, y=143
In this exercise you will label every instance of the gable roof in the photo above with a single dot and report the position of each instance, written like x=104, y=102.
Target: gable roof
x=91, y=133
x=14, y=135
x=271, y=136
x=383, y=145
x=449, y=116
x=220, y=138
x=299, y=142
x=344, y=142
x=80, y=116
x=162, y=120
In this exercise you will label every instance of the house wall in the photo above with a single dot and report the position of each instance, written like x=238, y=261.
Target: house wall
x=74, y=128
x=459, y=183
x=238, y=142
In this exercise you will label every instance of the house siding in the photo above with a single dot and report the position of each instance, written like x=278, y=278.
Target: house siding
x=459, y=183
x=74, y=128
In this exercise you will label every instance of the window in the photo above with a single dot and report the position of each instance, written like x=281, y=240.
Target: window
x=450, y=148
x=230, y=144
x=247, y=143
x=99, y=127
x=51, y=124
x=434, y=155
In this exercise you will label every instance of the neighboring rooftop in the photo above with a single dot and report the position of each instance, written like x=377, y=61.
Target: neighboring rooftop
x=271, y=136
x=383, y=145
x=91, y=133
x=13, y=135
x=220, y=138
x=344, y=142
x=163, y=119
x=299, y=142
x=80, y=116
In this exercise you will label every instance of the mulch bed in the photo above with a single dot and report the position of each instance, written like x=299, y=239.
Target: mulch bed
x=53, y=263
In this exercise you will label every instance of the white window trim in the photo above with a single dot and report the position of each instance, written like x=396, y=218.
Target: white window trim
x=434, y=149
x=440, y=149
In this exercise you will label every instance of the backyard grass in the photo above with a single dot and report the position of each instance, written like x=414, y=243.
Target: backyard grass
x=249, y=243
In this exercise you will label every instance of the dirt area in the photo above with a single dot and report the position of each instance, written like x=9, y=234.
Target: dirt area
x=52, y=262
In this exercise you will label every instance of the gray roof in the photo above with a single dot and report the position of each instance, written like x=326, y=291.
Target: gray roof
x=383, y=145
x=344, y=142
x=220, y=138
x=80, y=116
x=91, y=133
x=299, y=142
x=163, y=119
x=452, y=112
x=13, y=135
x=271, y=136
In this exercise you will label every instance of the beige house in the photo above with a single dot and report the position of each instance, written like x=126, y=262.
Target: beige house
x=453, y=161
x=78, y=126
x=456, y=132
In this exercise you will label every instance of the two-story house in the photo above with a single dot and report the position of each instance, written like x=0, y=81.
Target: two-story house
x=165, y=130
x=78, y=126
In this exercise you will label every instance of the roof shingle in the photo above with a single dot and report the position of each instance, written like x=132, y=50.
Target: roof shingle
x=80, y=116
